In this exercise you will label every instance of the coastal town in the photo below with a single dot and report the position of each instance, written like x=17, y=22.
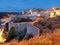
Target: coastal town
x=30, y=24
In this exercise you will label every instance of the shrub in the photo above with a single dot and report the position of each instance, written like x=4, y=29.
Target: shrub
x=11, y=34
x=42, y=22
x=22, y=34
x=29, y=36
x=49, y=26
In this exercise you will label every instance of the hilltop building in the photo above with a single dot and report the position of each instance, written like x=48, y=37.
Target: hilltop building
x=14, y=20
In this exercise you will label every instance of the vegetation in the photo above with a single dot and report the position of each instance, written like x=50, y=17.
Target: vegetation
x=47, y=39
x=21, y=37
x=42, y=22
x=11, y=34
x=22, y=34
x=29, y=36
x=44, y=39
x=49, y=26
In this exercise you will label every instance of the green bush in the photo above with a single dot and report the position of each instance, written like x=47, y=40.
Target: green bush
x=59, y=20
x=29, y=36
x=49, y=26
x=11, y=34
x=42, y=22
x=22, y=34
x=21, y=37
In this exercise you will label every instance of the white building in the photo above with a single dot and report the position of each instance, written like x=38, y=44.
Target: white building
x=45, y=15
x=31, y=29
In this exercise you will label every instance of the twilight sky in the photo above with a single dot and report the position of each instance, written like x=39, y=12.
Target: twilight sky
x=19, y=5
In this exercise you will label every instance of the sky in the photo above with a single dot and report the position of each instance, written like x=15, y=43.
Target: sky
x=21, y=5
